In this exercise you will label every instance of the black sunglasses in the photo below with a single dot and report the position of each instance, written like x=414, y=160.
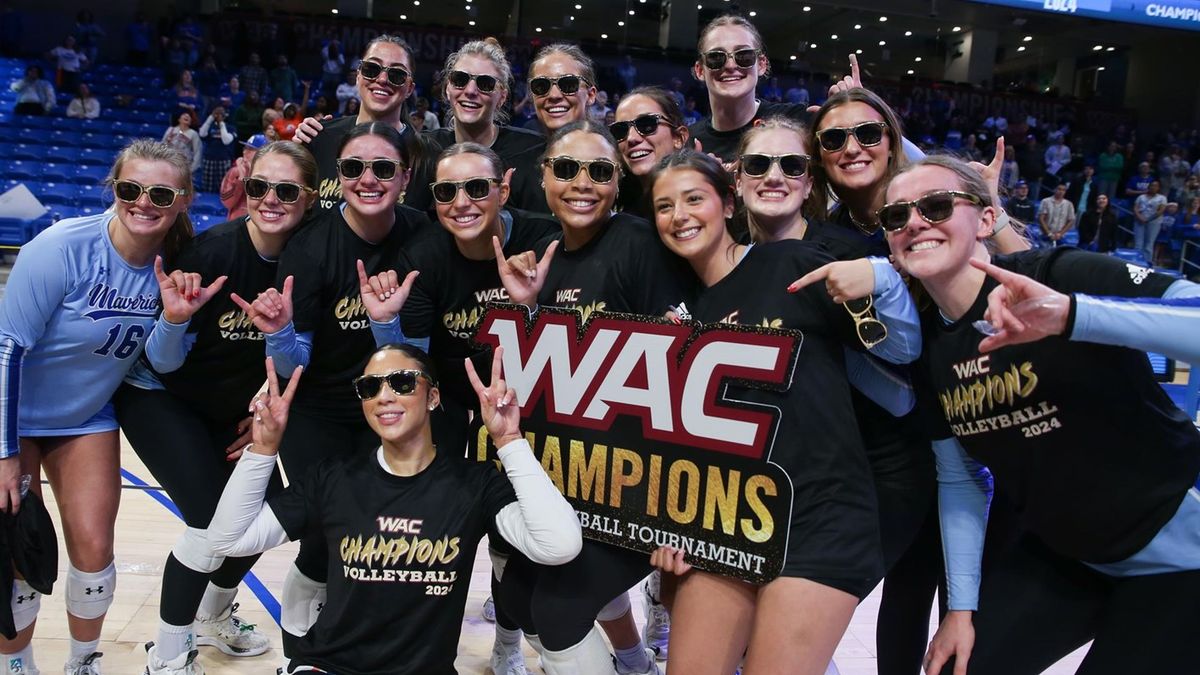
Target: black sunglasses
x=934, y=207
x=567, y=168
x=756, y=165
x=444, y=191
x=396, y=76
x=402, y=382
x=352, y=167
x=459, y=79
x=162, y=196
x=871, y=330
x=867, y=134
x=567, y=84
x=715, y=59
x=645, y=124
x=286, y=191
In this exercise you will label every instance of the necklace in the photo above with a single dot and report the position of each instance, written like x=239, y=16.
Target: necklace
x=865, y=229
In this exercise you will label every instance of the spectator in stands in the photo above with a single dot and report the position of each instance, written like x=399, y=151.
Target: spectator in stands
x=1191, y=215
x=1057, y=156
x=1139, y=183
x=88, y=35
x=233, y=191
x=322, y=107
x=677, y=91
x=599, y=107
x=417, y=121
x=84, y=106
x=346, y=91
x=970, y=148
x=1098, y=226
x=174, y=59
x=1056, y=215
x=1110, y=166
x=70, y=61
x=138, y=36
x=1190, y=190
x=1019, y=205
x=798, y=94
x=232, y=95
x=35, y=96
x=253, y=76
x=187, y=96
x=997, y=123
x=333, y=64
x=1170, y=217
x=627, y=71
x=248, y=117
x=184, y=138
x=1010, y=173
x=1082, y=191
x=190, y=34
x=1032, y=161
x=354, y=104
x=218, y=149
x=284, y=80
x=1173, y=170
x=293, y=115
x=772, y=92
x=421, y=107
x=208, y=78
x=1147, y=219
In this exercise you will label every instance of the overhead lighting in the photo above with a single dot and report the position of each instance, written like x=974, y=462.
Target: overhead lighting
x=1100, y=68
x=812, y=45
x=604, y=36
x=620, y=23
x=883, y=18
x=882, y=43
x=807, y=8
x=416, y=3
x=631, y=12
x=858, y=26
x=1110, y=49
x=572, y=17
x=471, y=22
x=1021, y=48
x=538, y=29
x=908, y=33
x=857, y=51
x=1097, y=48
x=404, y=17
x=468, y=6
x=334, y=10
x=753, y=13
x=833, y=37
x=1027, y=38
x=578, y=6
x=956, y=29
x=793, y=57
x=918, y=59
x=910, y=72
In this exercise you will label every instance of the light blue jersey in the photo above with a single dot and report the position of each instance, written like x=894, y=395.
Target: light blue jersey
x=74, y=318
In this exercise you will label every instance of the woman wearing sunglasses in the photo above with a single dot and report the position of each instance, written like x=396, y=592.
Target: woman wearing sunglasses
x=1100, y=462
x=477, y=80
x=315, y=318
x=607, y=262
x=648, y=127
x=562, y=82
x=385, y=81
x=182, y=415
x=79, y=305
x=793, y=623
x=730, y=63
x=402, y=521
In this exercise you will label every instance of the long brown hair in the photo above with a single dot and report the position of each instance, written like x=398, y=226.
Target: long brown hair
x=771, y=123
x=822, y=189
x=154, y=151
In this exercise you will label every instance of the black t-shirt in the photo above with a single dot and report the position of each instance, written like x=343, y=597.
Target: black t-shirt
x=401, y=550
x=325, y=301
x=449, y=297
x=324, y=148
x=224, y=367
x=521, y=150
x=1090, y=449
x=624, y=268
x=817, y=442
x=724, y=144
x=1023, y=210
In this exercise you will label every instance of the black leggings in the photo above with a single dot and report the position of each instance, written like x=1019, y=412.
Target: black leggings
x=307, y=441
x=559, y=603
x=185, y=452
x=1037, y=606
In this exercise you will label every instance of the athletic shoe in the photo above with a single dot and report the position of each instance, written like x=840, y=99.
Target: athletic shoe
x=231, y=635
x=489, y=610
x=656, y=632
x=507, y=660
x=184, y=664
x=653, y=670
x=88, y=665
x=15, y=665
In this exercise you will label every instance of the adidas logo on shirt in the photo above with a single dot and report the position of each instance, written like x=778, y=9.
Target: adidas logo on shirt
x=1137, y=274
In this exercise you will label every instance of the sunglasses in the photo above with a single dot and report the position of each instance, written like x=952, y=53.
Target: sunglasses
x=444, y=191
x=384, y=169
x=756, y=165
x=871, y=330
x=459, y=80
x=396, y=76
x=934, y=207
x=402, y=382
x=645, y=124
x=868, y=134
x=744, y=58
x=566, y=168
x=162, y=196
x=286, y=192
x=567, y=84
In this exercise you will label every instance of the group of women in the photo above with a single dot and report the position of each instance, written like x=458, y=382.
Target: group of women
x=1023, y=371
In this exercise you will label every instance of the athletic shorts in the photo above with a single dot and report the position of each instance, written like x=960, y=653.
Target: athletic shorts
x=104, y=420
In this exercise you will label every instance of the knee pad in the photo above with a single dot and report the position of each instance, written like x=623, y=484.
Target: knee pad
x=195, y=553
x=499, y=562
x=616, y=609
x=590, y=656
x=301, y=602
x=90, y=594
x=25, y=605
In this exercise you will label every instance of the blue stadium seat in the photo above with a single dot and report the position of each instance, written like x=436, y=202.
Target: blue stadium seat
x=122, y=126
x=25, y=151
x=67, y=123
x=61, y=137
x=208, y=204
x=20, y=170
x=90, y=174
x=31, y=135
x=91, y=196
x=56, y=173
x=95, y=156
x=57, y=153
x=58, y=194
x=15, y=231
x=204, y=221
x=37, y=122
x=1132, y=255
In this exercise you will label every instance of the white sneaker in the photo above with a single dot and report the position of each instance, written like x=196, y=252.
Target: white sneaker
x=656, y=632
x=230, y=634
x=17, y=665
x=653, y=670
x=88, y=665
x=184, y=664
x=489, y=610
x=507, y=660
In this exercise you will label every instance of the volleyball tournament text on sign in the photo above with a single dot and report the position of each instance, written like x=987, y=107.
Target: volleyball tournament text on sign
x=633, y=420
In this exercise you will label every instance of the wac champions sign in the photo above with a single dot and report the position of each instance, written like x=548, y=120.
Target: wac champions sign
x=634, y=420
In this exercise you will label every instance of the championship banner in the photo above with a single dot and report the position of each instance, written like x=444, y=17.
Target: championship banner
x=633, y=419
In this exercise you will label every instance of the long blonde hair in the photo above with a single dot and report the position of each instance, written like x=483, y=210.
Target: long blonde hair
x=155, y=151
